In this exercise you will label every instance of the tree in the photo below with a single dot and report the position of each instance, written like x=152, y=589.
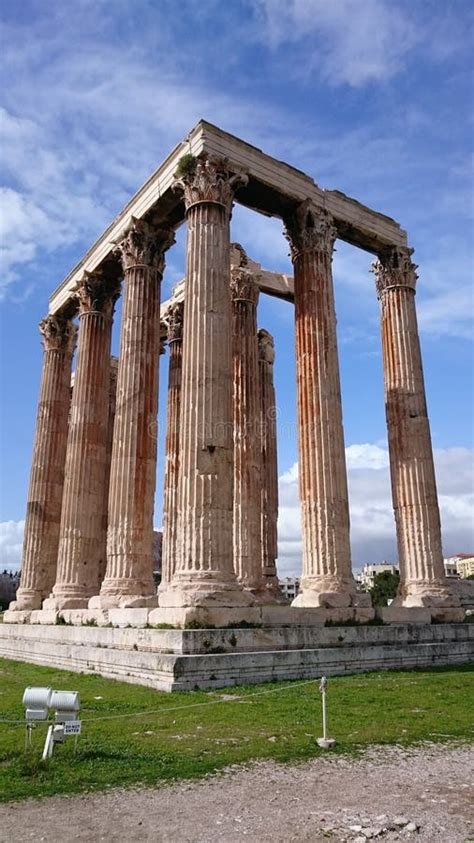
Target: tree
x=385, y=588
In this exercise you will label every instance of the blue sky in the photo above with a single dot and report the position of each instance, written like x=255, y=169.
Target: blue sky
x=371, y=97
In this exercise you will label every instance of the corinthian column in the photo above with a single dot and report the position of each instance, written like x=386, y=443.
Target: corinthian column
x=174, y=321
x=269, y=467
x=247, y=469
x=128, y=580
x=82, y=516
x=415, y=501
x=204, y=572
x=327, y=577
x=43, y=514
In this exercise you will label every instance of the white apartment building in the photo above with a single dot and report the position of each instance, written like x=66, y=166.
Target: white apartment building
x=463, y=564
x=369, y=572
x=290, y=586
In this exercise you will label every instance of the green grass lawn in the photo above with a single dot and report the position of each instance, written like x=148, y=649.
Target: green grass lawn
x=278, y=721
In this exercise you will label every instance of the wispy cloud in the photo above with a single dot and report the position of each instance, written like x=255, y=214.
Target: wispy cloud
x=353, y=42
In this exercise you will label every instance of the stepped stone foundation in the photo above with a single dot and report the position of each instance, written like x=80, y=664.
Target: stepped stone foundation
x=89, y=528
x=175, y=660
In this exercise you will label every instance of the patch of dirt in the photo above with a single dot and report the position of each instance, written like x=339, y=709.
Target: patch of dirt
x=390, y=794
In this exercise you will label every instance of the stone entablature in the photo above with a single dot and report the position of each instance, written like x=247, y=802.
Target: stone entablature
x=271, y=185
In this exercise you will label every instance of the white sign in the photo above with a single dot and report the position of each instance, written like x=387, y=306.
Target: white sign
x=73, y=727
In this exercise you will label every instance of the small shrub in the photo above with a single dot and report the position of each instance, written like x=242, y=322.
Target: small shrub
x=186, y=166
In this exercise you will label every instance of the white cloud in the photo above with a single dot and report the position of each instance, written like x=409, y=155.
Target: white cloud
x=353, y=42
x=11, y=543
x=64, y=185
x=372, y=522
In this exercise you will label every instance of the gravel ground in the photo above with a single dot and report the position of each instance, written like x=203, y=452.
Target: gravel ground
x=389, y=794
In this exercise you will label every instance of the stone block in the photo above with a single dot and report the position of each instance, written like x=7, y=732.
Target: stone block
x=85, y=617
x=310, y=598
x=447, y=615
x=203, y=616
x=44, y=616
x=129, y=617
x=291, y=615
x=403, y=614
x=17, y=616
x=364, y=614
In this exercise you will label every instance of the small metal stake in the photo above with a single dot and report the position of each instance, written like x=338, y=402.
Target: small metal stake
x=324, y=742
x=29, y=729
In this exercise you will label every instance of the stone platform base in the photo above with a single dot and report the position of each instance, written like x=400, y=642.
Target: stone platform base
x=420, y=614
x=172, y=659
x=265, y=615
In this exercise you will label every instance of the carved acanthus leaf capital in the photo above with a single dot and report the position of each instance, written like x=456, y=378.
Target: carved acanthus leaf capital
x=144, y=244
x=238, y=255
x=97, y=293
x=266, y=347
x=58, y=334
x=243, y=286
x=209, y=179
x=310, y=229
x=394, y=268
x=174, y=322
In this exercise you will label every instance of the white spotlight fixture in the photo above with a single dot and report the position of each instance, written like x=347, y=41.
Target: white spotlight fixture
x=66, y=706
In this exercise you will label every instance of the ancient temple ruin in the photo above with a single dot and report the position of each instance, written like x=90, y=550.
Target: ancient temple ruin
x=88, y=534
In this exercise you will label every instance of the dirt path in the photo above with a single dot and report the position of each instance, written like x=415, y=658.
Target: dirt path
x=383, y=796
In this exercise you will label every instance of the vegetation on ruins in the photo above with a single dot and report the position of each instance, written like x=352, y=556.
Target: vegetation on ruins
x=178, y=736
x=186, y=165
x=384, y=588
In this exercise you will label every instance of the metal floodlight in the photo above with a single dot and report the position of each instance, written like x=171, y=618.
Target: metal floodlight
x=66, y=705
x=36, y=702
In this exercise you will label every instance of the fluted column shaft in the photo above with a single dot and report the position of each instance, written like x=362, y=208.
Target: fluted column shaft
x=204, y=572
x=269, y=465
x=82, y=516
x=170, y=496
x=43, y=515
x=247, y=463
x=415, y=501
x=129, y=580
x=327, y=578
x=108, y=461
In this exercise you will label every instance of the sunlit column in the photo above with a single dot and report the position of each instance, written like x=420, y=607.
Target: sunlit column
x=43, y=514
x=415, y=500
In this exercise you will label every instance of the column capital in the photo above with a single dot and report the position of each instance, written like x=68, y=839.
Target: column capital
x=174, y=322
x=310, y=229
x=97, y=294
x=394, y=268
x=58, y=334
x=144, y=244
x=243, y=286
x=207, y=178
x=266, y=347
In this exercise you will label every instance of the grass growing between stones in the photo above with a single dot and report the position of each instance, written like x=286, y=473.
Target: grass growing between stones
x=244, y=723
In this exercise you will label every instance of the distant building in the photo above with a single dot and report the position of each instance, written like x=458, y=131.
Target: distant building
x=290, y=587
x=450, y=568
x=369, y=572
x=464, y=563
